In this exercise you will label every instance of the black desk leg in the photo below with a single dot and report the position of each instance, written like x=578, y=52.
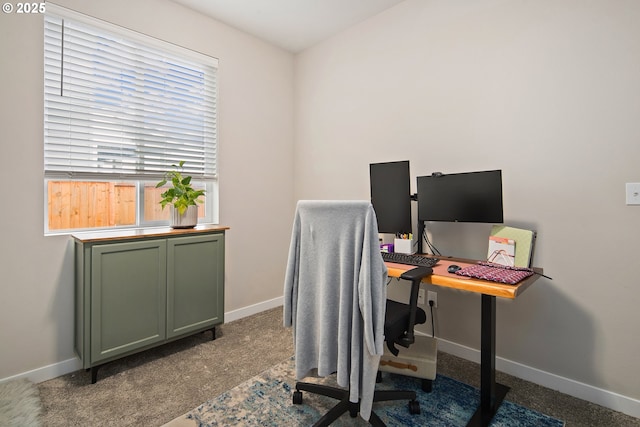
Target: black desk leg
x=491, y=393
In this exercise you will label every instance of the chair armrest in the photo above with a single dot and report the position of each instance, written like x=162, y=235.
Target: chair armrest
x=415, y=275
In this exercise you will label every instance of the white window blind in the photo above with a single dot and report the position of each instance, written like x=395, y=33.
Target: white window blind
x=119, y=108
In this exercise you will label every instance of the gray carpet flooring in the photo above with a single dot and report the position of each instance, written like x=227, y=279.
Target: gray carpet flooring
x=158, y=385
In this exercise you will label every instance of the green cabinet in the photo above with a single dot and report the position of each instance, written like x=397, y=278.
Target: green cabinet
x=134, y=292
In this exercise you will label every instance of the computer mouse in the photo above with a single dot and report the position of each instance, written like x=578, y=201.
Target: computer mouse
x=453, y=268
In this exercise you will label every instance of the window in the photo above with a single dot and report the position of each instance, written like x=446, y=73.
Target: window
x=121, y=109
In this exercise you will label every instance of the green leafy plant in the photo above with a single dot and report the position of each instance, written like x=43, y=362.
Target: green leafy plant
x=181, y=195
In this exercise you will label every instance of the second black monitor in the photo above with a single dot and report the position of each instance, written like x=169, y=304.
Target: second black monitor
x=461, y=197
x=391, y=196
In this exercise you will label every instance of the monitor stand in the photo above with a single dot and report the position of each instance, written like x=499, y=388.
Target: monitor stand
x=420, y=236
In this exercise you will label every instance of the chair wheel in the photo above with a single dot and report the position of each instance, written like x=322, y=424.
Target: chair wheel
x=414, y=407
x=297, y=397
x=353, y=409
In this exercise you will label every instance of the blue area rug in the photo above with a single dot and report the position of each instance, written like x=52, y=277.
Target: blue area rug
x=266, y=400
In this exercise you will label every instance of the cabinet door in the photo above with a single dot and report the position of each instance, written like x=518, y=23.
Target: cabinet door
x=128, y=297
x=195, y=283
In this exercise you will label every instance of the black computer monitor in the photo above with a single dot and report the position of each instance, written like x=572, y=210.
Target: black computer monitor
x=461, y=197
x=391, y=196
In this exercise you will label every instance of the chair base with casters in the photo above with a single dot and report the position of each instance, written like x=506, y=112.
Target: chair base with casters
x=344, y=405
x=418, y=361
x=400, y=320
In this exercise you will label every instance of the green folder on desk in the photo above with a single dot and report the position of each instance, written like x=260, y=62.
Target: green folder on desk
x=525, y=239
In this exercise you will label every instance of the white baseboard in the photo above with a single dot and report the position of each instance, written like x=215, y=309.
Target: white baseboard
x=48, y=372
x=74, y=364
x=253, y=309
x=609, y=399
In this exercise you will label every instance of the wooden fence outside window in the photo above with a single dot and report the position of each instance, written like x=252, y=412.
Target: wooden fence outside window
x=84, y=204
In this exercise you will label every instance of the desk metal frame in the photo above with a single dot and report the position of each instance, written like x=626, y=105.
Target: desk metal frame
x=491, y=393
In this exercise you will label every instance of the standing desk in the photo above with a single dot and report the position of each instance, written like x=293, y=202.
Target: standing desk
x=491, y=392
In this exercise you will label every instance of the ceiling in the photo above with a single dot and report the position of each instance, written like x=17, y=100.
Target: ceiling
x=293, y=25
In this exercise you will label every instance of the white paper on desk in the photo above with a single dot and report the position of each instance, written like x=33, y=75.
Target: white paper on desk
x=501, y=251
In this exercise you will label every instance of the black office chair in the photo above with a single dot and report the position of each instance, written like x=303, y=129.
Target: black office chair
x=326, y=235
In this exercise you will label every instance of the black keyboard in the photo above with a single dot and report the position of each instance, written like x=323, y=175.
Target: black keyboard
x=416, y=260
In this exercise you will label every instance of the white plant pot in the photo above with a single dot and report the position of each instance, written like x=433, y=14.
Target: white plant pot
x=188, y=219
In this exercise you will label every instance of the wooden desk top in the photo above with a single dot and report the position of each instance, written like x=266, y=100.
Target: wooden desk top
x=134, y=233
x=441, y=277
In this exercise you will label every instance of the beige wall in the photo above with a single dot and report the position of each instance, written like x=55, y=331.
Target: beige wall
x=547, y=91
x=256, y=181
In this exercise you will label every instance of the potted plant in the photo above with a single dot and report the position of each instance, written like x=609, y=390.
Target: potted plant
x=182, y=196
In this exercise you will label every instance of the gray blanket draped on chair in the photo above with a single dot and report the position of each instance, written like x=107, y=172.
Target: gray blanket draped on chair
x=335, y=294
